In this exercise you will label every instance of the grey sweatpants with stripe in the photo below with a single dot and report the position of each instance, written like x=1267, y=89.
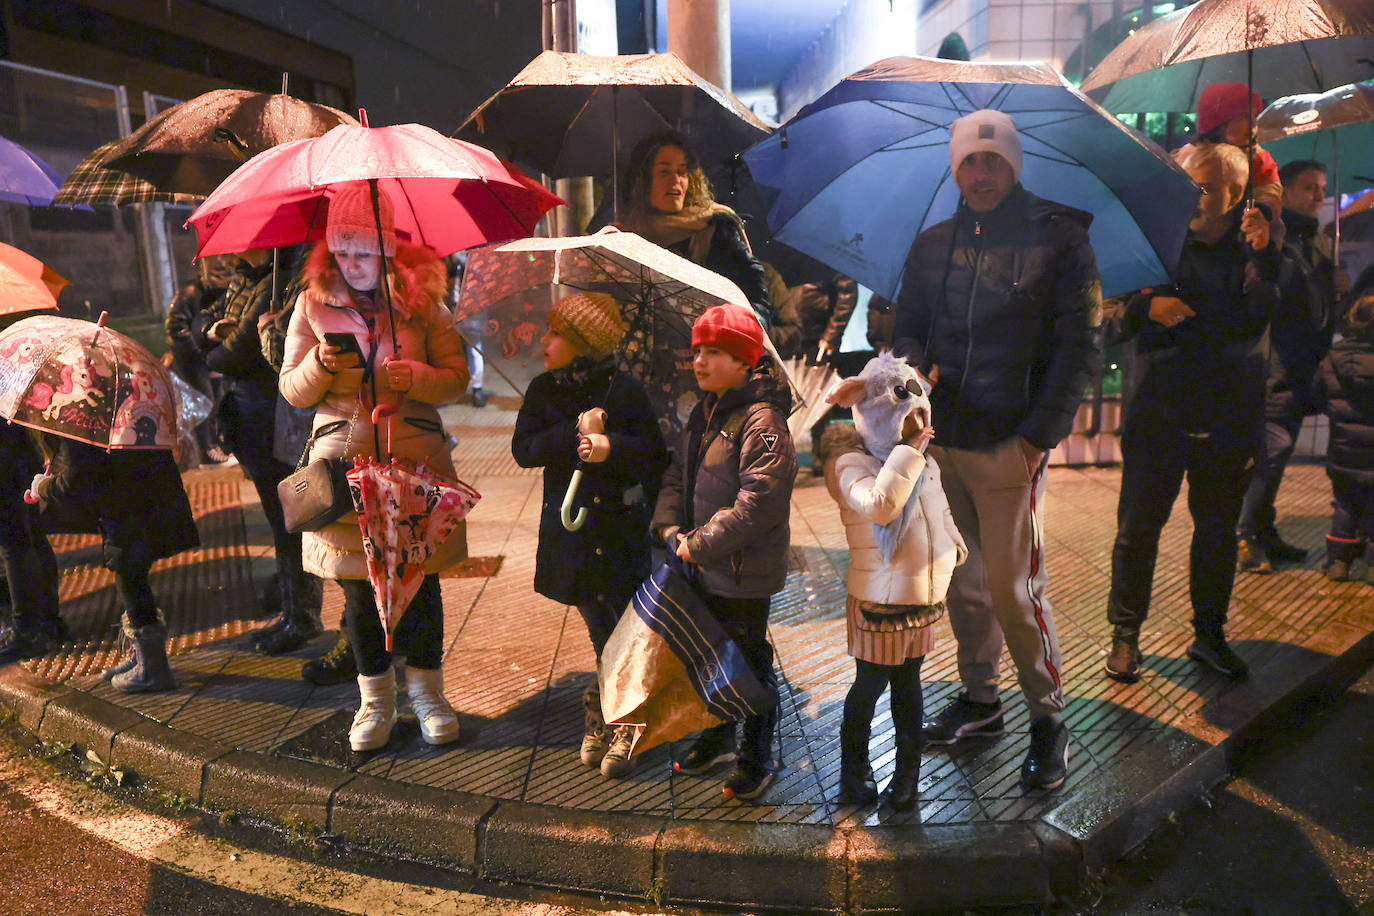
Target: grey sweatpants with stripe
x=998, y=594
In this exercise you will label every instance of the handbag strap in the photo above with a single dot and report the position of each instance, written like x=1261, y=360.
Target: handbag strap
x=331, y=427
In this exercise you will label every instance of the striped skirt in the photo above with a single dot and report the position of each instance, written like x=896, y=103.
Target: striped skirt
x=890, y=638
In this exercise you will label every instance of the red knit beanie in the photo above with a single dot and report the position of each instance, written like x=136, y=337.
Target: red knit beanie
x=733, y=329
x=1220, y=102
x=351, y=223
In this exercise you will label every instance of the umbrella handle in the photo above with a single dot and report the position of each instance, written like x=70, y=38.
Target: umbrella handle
x=29, y=497
x=572, y=522
x=380, y=412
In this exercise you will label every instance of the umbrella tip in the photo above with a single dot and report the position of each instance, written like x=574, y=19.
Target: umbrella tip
x=100, y=322
x=362, y=117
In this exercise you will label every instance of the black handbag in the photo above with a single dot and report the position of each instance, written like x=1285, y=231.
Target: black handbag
x=316, y=493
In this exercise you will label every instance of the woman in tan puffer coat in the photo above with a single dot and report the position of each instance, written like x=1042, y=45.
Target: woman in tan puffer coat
x=412, y=366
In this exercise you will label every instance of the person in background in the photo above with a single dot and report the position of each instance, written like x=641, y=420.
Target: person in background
x=583, y=412
x=1346, y=377
x=1298, y=339
x=411, y=361
x=1000, y=308
x=1223, y=116
x=668, y=201
x=724, y=508
x=185, y=325
x=1198, y=410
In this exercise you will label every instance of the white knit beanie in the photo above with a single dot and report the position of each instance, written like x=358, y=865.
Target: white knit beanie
x=985, y=129
x=352, y=225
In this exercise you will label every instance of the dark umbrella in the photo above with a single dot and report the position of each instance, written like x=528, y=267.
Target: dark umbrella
x=91, y=182
x=1278, y=48
x=192, y=146
x=860, y=172
x=24, y=178
x=570, y=115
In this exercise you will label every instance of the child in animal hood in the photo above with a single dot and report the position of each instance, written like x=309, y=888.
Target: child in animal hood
x=724, y=508
x=903, y=547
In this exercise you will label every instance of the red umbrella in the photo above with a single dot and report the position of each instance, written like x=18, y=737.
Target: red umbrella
x=405, y=513
x=449, y=195
x=26, y=283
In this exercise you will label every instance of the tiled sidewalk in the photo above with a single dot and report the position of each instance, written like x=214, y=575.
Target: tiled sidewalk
x=516, y=664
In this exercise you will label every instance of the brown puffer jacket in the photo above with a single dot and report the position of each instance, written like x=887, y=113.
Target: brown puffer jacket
x=425, y=332
x=729, y=489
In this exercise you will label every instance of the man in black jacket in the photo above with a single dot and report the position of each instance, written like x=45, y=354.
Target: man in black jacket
x=1300, y=337
x=1198, y=409
x=1000, y=307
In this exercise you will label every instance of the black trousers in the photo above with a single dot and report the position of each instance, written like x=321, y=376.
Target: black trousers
x=419, y=636
x=30, y=566
x=1155, y=458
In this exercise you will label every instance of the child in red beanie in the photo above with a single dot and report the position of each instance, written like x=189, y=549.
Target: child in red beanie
x=1224, y=117
x=724, y=508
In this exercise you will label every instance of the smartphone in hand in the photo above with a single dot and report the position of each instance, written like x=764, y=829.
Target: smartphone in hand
x=346, y=343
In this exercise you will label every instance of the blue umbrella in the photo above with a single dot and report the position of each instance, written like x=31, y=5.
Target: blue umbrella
x=24, y=178
x=855, y=176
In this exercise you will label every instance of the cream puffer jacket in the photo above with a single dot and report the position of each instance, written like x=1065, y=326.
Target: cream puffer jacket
x=871, y=492
x=426, y=334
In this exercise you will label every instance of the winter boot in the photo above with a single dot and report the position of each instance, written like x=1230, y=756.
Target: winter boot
x=1251, y=557
x=376, y=714
x=334, y=667
x=301, y=595
x=907, y=708
x=21, y=642
x=1047, y=761
x=1123, y=661
x=1340, y=553
x=715, y=746
x=596, y=738
x=438, y=721
x=1279, y=550
x=755, y=769
x=149, y=670
x=124, y=648
x=856, y=771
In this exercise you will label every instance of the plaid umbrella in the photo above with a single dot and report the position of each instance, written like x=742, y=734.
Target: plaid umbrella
x=93, y=183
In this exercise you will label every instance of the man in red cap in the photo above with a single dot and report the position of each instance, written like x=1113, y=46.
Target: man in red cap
x=724, y=507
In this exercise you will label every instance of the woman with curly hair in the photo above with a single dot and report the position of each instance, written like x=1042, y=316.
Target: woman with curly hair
x=667, y=199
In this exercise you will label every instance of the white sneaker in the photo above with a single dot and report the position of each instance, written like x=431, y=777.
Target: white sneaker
x=376, y=714
x=438, y=721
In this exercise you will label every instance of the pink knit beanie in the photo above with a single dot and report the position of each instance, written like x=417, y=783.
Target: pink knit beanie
x=352, y=224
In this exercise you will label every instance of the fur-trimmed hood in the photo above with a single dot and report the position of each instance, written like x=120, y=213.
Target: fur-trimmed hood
x=417, y=276
x=839, y=439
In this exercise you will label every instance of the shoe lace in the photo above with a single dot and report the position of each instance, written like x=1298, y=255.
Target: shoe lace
x=430, y=705
x=332, y=658
x=622, y=740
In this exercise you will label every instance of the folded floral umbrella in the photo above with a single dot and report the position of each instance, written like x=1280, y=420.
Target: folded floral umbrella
x=26, y=283
x=87, y=382
x=24, y=178
x=449, y=195
x=192, y=146
x=405, y=513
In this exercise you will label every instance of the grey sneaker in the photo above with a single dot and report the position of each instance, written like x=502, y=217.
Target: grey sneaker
x=617, y=762
x=596, y=738
x=964, y=718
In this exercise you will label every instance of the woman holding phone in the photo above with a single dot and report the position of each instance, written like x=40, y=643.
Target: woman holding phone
x=346, y=356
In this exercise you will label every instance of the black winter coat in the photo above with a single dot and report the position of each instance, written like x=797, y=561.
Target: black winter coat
x=729, y=255
x=1303, y=323
x=125, y=495
x=1008, y=304
x=1206, y=374
x=1346, y=376
x=729, y=488
x=609, y=555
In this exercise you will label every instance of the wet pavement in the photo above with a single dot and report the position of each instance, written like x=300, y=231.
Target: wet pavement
x=519, y=806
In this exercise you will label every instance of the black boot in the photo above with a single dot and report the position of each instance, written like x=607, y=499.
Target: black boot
x=334, y=667
x=149, y=670
x=1123, y=660
x=301, y=597
x=715, y=746
x=756, y=767
x=908, y=711
x=1340, y=553
x=857, y=786
x=1279, y=550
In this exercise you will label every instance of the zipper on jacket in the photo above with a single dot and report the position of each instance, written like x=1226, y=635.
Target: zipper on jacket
x=968, y=313
x=930, y=550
